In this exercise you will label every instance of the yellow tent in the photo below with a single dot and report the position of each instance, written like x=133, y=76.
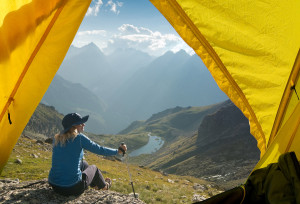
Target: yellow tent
x=34, y=38
x=250, y=48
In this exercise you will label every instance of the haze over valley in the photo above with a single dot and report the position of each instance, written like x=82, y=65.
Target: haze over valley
x=128, y=85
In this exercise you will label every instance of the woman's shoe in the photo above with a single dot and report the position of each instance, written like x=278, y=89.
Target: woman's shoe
x=108, y=184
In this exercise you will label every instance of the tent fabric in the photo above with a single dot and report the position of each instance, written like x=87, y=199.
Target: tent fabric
x=250, y=48
x=277, y=183
x=287, y=139
x=34, y=37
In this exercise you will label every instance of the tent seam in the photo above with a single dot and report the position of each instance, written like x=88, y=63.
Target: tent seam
x=286, y=97
x=293, y=136
x=218, y=61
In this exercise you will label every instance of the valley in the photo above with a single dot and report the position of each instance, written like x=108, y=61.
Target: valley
x=177, y=124
x=210, y=142
x=128, y=85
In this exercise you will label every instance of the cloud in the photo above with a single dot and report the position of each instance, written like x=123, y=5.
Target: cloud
x=92, y=32
x=126, y=28
x=146, y=40
x=94, y=10
x=114, y=6
x=129, y=36
x=85, y=37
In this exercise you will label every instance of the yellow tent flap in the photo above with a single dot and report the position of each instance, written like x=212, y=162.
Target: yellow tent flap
x=250, y=48
x=34, y=37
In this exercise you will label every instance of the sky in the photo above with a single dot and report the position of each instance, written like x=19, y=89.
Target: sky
x=112, y=24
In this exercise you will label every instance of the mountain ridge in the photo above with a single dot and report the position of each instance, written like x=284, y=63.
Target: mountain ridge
x=133, y=86
x=220, y=148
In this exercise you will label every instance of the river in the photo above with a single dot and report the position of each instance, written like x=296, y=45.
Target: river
x=154, y=144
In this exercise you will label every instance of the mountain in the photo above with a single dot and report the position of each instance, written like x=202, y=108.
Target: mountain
x=173, y=123
x=87, y=66
x=45, y=122
x=131, y=84
x=170, y=80
x=99, y=73
x=69, y=97
x=121, y=60
x=223, y=144
x=212, y=142
x=124, y=63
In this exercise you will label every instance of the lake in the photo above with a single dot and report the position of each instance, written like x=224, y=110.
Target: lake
x=154, y=144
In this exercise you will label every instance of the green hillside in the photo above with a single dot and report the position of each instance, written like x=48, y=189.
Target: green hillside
x=173, y=123
x=212, y=142
x=31, y=160
x=44, y=123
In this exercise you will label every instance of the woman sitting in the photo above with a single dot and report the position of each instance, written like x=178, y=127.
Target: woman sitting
x=69, y=174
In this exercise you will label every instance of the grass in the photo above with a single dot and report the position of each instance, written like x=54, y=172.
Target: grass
x=152, y=186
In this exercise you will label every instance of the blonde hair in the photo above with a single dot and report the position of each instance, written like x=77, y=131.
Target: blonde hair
x=62, y=138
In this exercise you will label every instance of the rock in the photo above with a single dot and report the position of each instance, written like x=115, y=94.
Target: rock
x=132, y=195
x=198, y=198
x=164, y=173
x=41, y=192
x=39, y=142
x=25, y=136
x=200, y=187
x=18, y=161
x=170, y=181
x=7, y=180
x=34, y=155
x=16, y=181
x=49, y=140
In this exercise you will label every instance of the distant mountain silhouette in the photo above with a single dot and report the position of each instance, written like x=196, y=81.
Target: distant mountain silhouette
x=170, y=80
x=99, y=73
x=68, y=97
x=133, y=85
x=86, y=65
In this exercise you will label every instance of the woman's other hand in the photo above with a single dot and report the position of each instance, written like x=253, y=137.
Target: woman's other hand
x=122, y=149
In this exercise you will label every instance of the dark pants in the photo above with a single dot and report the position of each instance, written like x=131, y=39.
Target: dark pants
x=91, y=176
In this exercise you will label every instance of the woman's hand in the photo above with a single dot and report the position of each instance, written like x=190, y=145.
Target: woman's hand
x=122, y=148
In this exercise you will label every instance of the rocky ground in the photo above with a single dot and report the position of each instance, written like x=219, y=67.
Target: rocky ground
x=12, y=191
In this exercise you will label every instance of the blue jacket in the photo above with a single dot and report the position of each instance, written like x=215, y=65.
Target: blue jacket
x=65, y=170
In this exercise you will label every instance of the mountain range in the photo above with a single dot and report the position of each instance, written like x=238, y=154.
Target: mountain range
x=128, y=85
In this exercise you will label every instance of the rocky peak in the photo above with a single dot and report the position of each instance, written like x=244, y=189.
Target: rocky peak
x=227, y=122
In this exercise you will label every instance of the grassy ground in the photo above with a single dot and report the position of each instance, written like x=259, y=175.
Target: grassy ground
x=152, y=186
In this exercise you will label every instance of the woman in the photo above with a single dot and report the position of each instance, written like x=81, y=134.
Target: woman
x=69, y=174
